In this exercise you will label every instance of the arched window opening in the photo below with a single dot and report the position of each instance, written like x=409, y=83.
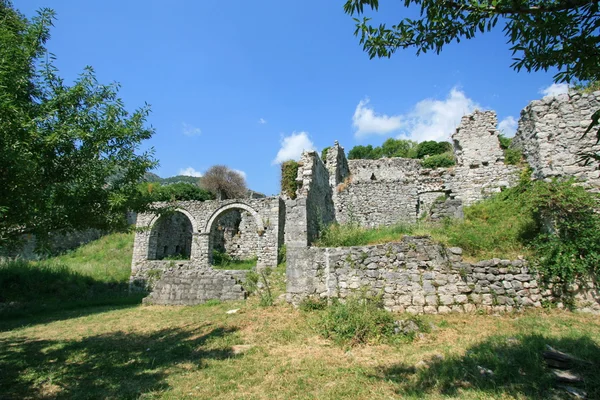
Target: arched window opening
x=171, y=238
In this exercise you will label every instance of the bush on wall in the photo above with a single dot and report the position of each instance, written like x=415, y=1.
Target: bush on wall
x=289, y=172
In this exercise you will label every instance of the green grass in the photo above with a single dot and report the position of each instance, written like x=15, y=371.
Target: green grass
x=354, y=235
x=497, y=227
x=107, y=259
x=152, y=352
x=236, y=264
x=94, y=274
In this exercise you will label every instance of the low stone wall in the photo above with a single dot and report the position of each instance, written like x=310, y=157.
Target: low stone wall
x=183, y=283
x=414, y=275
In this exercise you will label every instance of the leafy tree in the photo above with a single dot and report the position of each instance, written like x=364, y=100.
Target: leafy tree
x=224, y=183
x=68, y=154
x=175, y=191
x=399, y=148
x=364, y=153
x=543, y=34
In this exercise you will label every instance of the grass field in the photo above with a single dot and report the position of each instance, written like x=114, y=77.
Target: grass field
x=276, y=353
x=130, y=351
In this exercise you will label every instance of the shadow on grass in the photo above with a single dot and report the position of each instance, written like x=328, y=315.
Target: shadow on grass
x=517, y=364
x=115, y=365
x=29, y=289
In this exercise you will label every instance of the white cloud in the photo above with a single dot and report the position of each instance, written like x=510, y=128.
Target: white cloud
x=555, y=89
x=367, y=122
x=189, y=171
x=429, y=119
x=292, y=147
x=262, y=121
x=242, y=173
x=190, y=130
x=508, y=126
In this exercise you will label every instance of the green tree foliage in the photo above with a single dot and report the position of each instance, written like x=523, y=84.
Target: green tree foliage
x=402, y=148
x=176, y=191
x=543, y=34
x=568, y=246
x=364, y=153
x=68, y=154
x=399, y=148
x=324, y=153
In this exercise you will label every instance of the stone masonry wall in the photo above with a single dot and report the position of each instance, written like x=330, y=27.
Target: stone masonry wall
x=418, y=276
x=550, y=134
x=178, y=284
x=203, y=216
x=391, y=190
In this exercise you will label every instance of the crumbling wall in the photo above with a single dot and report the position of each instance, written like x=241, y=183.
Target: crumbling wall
x=379, y=192
x=551, y=136
x=417, y=275
x=236, y=234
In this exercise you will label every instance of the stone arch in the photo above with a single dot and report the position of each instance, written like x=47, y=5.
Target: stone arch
x=221, y=211
x=181, y=210
x=171, y=235
x=232, y=206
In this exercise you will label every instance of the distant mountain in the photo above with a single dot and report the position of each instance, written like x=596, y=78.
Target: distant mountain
x=180, y=178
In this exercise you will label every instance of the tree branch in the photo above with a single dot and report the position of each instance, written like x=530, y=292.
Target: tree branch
x=561, y=6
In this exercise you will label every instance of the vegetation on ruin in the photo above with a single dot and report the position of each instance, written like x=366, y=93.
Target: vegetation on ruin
x=289, y=173
x=552, y=223
x=512, y=156
x=443, y=160
x=70, y=156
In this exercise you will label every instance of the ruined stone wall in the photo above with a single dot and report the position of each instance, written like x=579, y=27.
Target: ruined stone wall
x=177, y=283
x=418, y=276
x=392, y=190
x=317, y=192
x=203, y=216
x=236, y=234
x=378, y=192
x=550, y=135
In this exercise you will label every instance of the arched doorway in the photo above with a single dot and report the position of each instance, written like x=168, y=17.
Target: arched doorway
x=171, y=237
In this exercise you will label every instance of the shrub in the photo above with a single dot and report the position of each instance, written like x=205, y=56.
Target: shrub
x=312, y=304
x=433, y=148
x=289, y=173
x=443, y=160
x=513, y=156
x=324, y=153
x=359, y=320
x=568, y=244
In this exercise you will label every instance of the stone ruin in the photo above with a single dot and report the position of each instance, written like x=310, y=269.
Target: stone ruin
x=172, y=253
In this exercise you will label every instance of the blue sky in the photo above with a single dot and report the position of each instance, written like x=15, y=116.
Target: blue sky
x=250, y=83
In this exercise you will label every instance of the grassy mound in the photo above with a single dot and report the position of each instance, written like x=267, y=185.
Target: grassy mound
x=94, y=274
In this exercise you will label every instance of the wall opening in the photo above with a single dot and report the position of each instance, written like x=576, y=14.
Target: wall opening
x=171, y=237
x=234, y=240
